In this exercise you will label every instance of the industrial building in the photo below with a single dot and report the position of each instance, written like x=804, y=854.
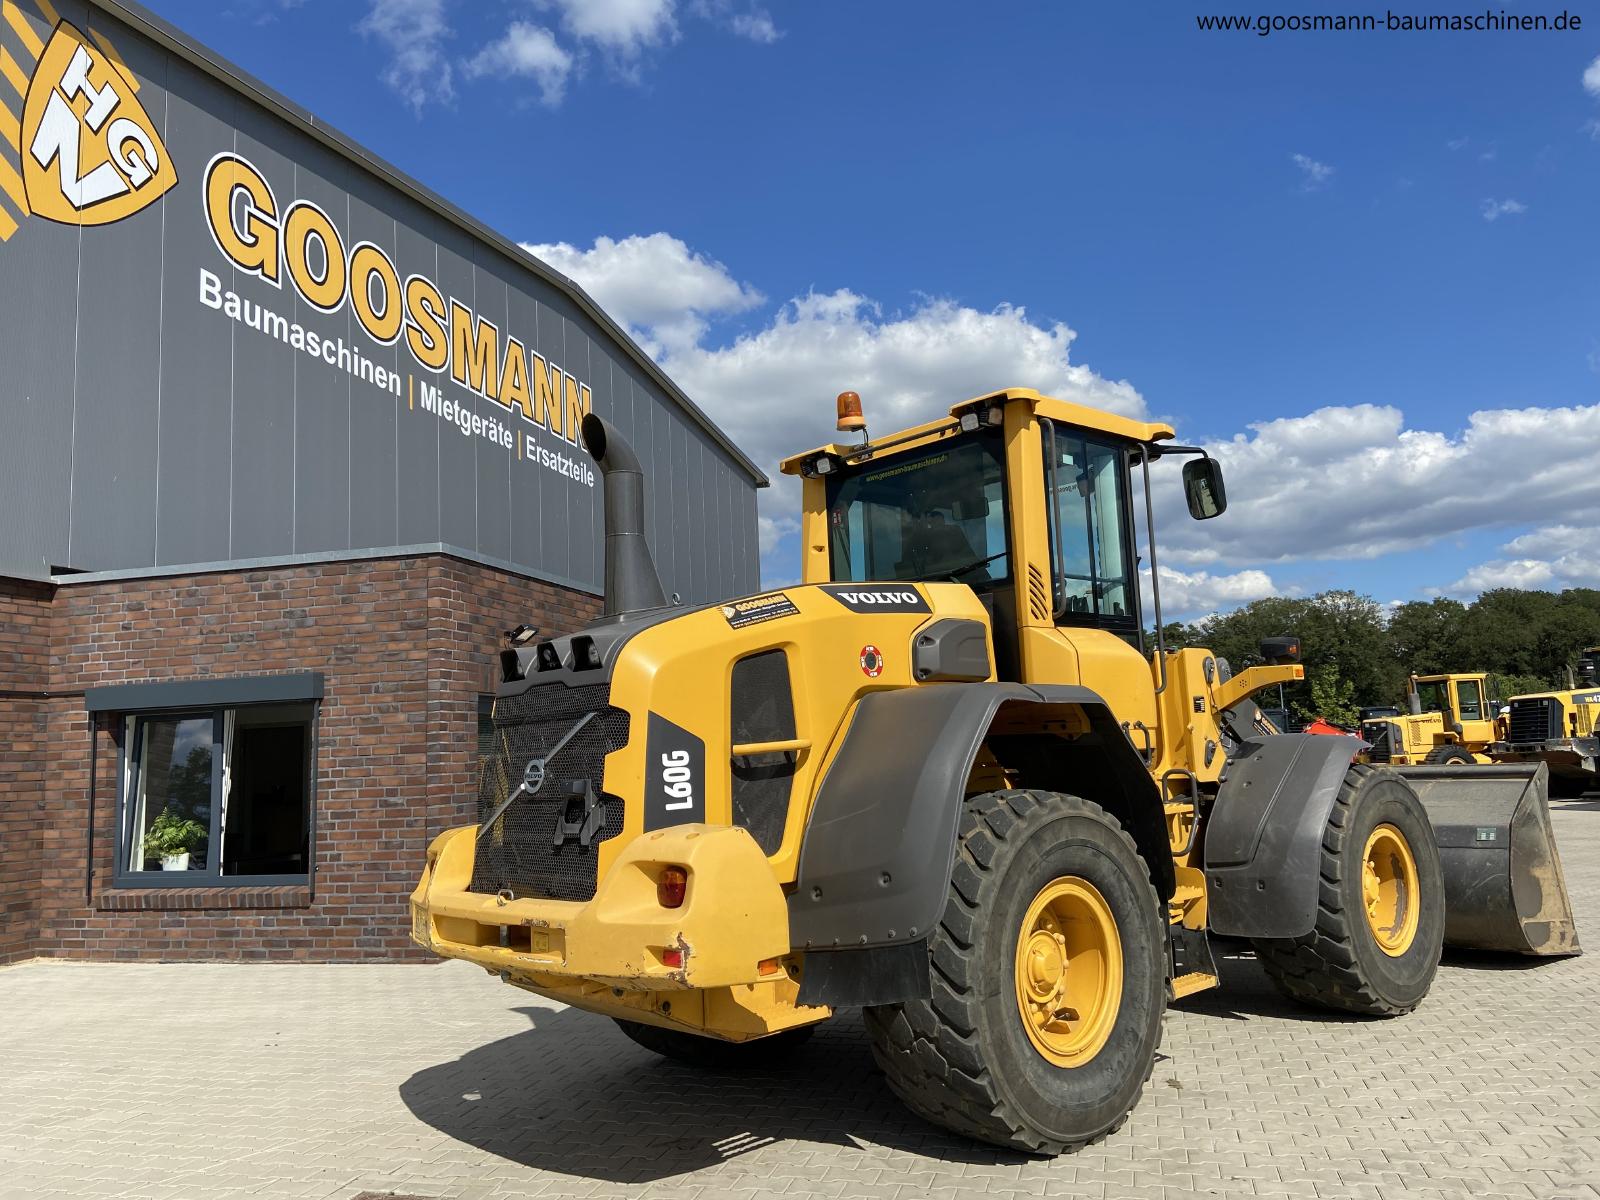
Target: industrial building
x=286, y=443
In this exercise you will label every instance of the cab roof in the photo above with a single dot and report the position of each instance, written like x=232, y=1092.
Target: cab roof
x=1064, y=411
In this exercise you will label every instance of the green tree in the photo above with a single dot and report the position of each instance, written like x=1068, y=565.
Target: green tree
x=1425, y=637
x=1331, y=698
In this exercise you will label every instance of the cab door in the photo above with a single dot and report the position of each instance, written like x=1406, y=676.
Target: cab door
x=1472, y=713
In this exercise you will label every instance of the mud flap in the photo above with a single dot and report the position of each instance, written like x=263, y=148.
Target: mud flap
x=1504, y=889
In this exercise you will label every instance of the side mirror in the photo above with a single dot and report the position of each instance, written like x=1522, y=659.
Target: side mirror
x=1278, y=650
x=1203, y=488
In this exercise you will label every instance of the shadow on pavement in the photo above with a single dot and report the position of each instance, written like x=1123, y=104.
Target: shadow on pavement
x=1591, y=805
x=573, y=1095
x=1247, y=993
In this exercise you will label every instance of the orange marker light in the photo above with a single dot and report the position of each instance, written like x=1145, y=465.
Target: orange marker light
x=850, y=418
x=671, y=886
x=768, y=966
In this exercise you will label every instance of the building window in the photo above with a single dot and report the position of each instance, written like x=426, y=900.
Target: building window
x=217, y=796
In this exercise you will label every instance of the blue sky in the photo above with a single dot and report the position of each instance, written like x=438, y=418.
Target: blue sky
x=1361, y=265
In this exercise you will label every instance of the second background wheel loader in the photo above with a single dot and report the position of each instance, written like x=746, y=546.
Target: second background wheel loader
x=948, y=779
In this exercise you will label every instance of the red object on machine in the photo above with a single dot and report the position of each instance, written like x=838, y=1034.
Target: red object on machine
x=1328, y=727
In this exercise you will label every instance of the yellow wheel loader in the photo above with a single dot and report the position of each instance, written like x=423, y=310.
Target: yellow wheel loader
x=1559, y=729
x=948, y=779
x=1451, y=720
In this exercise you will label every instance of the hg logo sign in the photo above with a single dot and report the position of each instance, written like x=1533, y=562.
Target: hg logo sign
x=90, y=154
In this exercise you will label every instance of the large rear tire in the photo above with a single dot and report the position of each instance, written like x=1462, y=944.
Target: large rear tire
x=1048, y=972
x=695, y=1051
x=1380, y=909
x=1449, y=753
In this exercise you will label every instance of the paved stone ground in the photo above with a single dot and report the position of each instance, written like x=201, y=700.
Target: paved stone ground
x=197, y=1082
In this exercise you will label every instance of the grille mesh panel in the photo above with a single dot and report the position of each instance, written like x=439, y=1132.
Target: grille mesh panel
x=518, y=854
x=1534, y=720
x=763, y=711
x=1380, y=735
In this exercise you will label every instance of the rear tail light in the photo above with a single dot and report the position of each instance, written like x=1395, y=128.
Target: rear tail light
x=672, y=958
x=671, y=886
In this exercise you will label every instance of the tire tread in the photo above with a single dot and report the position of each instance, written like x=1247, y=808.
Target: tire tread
x=939, y=1073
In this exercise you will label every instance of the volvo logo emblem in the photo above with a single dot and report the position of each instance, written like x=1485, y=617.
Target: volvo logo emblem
x=533, y=776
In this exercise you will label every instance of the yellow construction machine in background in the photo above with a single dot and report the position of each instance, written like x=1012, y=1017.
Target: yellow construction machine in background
x=1452, y=719
x=1559, y=729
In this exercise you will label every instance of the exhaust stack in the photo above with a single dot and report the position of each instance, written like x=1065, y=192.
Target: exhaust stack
x=632, y=584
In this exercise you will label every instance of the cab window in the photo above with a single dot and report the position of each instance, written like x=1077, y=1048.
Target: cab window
x=934, y=514
x=1433, y=695
x=1086, y=486
x=1470, y=693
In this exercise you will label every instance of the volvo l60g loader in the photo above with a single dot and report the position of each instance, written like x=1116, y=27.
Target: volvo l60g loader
x=947, y=780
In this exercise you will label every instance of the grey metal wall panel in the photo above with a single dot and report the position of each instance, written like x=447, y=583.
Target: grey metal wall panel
x=458, y=457
x=417, y=434
x=526, y=490
x=163, y=405
x=266, y=373
x=374, y=412
x=322, y=420
x=116, y=380
x=193, y=505
x=493, y=460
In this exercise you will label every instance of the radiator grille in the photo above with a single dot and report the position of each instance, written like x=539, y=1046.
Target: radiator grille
x=519, y=853
x=1380, y=735
x=762, y=711
x=1535, y=720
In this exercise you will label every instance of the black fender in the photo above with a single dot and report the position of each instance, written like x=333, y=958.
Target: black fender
x=1263, y=836
x=878, y=851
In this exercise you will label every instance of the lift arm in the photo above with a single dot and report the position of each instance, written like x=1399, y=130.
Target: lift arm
x=1252, y=680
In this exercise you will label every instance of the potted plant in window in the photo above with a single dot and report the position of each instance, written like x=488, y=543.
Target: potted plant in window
x=171, y=838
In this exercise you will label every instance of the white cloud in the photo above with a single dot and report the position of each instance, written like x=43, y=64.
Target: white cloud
x=1553, y=557
x=656, y=286
x=526, y=51
x=1314, y=175
x=1495, y=209
x=1354, y=482
x=757, y=26
x=414, y=31
x=752, y=22
x=1188, y=596
x=1338, y=483
x=771, y=530
x=622, y=28
x=1591, y=78
x=772, y=389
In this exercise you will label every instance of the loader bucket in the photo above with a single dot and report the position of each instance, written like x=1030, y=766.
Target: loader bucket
x=1504, y=889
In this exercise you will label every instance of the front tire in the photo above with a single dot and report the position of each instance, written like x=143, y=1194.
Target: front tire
x=1380, y=908
x=1048, y=973
x=1449, y=754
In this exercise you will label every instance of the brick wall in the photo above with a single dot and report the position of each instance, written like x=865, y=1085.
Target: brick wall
x=406, y=647
x=24, y=678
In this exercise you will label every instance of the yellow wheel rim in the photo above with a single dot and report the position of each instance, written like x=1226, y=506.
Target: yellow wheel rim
x=1068, y=971
x=1389, y=890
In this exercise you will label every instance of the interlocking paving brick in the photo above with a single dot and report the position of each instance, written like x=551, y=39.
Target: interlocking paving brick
x=225, y=1081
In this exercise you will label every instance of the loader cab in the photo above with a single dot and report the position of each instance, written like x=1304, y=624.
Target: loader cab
x=1463, y=703
x=1028, y=500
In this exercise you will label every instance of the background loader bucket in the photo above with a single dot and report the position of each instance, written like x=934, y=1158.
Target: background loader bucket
x=1502, y=876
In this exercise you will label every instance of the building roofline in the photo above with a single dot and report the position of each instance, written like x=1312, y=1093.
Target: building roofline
x=151, y=26
x=278, y=562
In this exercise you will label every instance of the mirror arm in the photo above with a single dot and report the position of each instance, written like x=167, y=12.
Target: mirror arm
x=1161, y=450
